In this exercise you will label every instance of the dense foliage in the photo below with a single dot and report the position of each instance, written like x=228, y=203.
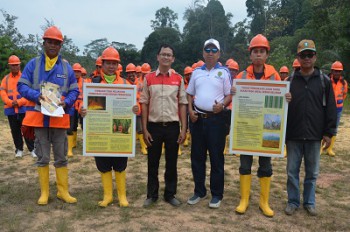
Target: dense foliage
x=283, y=22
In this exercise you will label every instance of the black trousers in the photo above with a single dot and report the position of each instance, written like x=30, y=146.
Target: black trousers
x=106, y=164
x=167, y=133
x=15, y=122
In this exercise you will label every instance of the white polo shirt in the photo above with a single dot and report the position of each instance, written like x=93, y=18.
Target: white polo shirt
x=209, y=85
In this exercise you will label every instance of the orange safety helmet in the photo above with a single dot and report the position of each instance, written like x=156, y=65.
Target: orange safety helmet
x=233, y=65
x=259, y=41
x=76, y=67
x=14, y=60
x=229, y=61
x=200, y=63
x=110, y=53
x=130, y=68
x=146, y=68
x=53, y=33
x=194, y=66
x=296, y=63
x=188, y=70
x=98, y=61
x=120, y=68
x=337, y=66
x=83, y=71
x=138, y=69
x=284, y=69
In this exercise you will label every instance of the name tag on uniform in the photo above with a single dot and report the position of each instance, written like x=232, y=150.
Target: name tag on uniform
x=63, y=76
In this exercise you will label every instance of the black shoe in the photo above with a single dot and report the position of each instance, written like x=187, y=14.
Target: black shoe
x=311, y=210
x=149, y=201
x=173, y=201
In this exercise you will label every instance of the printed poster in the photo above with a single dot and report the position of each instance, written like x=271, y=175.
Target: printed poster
x=259, y=118
x=109, y=126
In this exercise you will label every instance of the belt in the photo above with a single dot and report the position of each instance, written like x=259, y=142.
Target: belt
x=164, y=124
x=208, y=115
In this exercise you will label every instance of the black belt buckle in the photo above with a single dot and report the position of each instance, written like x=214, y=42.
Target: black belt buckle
x=164, y=124
x=205, y=115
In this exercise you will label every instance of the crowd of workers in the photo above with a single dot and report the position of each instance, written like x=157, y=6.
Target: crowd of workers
x=171, y=110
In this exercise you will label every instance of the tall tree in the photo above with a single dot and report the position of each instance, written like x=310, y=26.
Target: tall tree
x=256, y=9
x=165, y=17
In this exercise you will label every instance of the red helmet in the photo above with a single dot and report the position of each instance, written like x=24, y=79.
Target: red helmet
x=76, y=67
x=146, y=68
x=200, y=63
x=259, y=41
x=53, y=33
x=99, y=61
x=110, y=53
x=233, y=65
x=337, y=66
x=14, y=60
x=83, y=71
x=138, y=69
x=229, y=61
x=130, y=68
x=188, y=70
x=296, y=63
x=284, y=69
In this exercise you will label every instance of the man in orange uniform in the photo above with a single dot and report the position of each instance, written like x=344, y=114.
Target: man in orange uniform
x=73, y=112
x=97, y=71
x=187, y=77
x=259, y=48
x=50, y=131
x=15, y=106
x=284, y=71
x=109, y=75
x=340, y=88
x=145, y=69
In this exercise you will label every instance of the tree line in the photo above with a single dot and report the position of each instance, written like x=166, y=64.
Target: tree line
x=283, y=22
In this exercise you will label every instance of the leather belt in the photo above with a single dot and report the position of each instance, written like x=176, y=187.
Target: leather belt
x=208, y=115
x=164, y=124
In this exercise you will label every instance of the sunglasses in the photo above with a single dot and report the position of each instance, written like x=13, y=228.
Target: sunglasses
x=213, y=50
x=308, y=55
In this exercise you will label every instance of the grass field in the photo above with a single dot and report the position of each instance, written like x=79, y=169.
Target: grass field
x=19, y=192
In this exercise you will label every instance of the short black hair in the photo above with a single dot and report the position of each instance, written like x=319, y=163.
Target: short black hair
x=166, y=46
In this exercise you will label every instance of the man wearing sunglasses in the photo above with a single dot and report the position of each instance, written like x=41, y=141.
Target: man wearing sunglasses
x=208, y=93
x=311, y=119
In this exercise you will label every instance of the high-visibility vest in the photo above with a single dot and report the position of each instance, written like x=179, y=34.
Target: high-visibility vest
x=9, y=94
x=34, y=117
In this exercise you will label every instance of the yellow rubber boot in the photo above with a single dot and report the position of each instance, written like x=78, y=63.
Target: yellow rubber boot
x=75, y=135
x=330, y=151
x=44, y=185
x=143, y=145
x=285, y=151
x=70, y=145
x=179, y=152
x=187, y=140
x=245, y=181
x=227, y=144
x=264, y=196
x=107, y=183
x=62, y=185
x=120, y=178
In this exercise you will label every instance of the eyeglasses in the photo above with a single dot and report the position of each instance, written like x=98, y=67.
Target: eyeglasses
x=167, y=55
x=308, y=55
x=213, y=50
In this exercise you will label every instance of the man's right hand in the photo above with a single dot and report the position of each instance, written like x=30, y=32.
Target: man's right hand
x=147, y=137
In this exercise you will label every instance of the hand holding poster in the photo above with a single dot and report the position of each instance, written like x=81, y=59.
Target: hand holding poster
x=109, y=125
x=259, y=118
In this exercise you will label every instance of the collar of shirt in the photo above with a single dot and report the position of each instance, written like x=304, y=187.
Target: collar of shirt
x=159, y=73
x=204, y=67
